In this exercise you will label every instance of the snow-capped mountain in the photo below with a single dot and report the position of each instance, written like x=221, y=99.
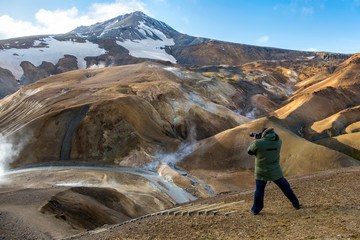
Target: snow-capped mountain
x=130, y=38
x=142, y=36
x=134, y=26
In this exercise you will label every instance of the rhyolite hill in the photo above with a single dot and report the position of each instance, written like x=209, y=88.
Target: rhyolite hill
x=179, y=115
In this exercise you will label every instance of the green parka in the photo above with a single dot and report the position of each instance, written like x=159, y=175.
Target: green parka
x=267, y=156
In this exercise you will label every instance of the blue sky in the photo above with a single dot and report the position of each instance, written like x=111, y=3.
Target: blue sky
x=309, y=25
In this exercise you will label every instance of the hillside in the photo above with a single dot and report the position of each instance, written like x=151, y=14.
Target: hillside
x=127, y=141
x=333, y=214
x=196, y=120
x=330, y=210
x=325, y=96
x=155, y=108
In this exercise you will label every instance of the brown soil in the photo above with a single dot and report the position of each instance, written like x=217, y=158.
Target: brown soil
x=32, y=207
x=330, y=210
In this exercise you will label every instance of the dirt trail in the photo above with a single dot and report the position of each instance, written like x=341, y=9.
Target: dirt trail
x=330, y=210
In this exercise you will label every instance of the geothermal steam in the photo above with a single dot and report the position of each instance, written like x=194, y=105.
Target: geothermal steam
x=7, y=154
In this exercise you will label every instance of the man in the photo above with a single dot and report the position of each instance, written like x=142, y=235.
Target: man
x=267, y=168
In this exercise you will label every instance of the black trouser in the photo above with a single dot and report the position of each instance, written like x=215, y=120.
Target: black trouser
x=283, y=184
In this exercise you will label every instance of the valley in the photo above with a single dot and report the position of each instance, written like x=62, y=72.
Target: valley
x=128, y=117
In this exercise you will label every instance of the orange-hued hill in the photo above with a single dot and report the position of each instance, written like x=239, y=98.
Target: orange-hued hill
x=127, y=114
x=153, y=133
x=322, y=97
x=226, y=151
x=116, y=114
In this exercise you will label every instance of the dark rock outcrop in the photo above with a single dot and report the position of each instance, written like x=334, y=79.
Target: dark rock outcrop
x=46, y=69
x=8, y=83
x=31, y=73
x=65, y=64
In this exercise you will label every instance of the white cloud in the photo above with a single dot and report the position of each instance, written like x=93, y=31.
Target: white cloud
x=61, y=21
x=186, y=20
x=65, y=20
x=9, y=27
x=263, y=39
x=105, y=11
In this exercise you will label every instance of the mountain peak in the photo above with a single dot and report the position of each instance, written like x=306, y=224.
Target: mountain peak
x=126, y=26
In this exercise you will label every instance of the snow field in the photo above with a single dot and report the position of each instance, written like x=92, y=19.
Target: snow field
x=149, y=48
x=11, y=58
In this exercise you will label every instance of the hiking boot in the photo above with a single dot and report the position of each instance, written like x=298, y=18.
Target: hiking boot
x=255, y=213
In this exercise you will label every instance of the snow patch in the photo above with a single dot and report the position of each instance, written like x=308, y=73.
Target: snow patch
x=176, y=71
x=149, y=48
x=11, y=58
x=268, y=87
x=76, y=184
x=37, y=43
x=312, y=57
x=110, y=26
x=31, y=92
x=206, y=105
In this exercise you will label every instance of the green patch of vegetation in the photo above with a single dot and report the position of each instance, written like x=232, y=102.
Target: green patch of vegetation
x=232, y=79
x=208, y=74
x=213, y=75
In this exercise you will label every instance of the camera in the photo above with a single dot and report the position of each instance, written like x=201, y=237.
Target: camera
x=257, y=135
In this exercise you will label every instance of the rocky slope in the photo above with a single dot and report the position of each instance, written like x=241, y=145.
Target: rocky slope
x=58, y=201
x=153, y=108
x=330, y=210
x=324, y=96
x=325, y=108
x=194, y=118
x=166, y=118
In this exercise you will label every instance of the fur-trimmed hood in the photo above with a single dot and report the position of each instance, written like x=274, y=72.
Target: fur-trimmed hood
x=270, y=134
x=268, y=130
